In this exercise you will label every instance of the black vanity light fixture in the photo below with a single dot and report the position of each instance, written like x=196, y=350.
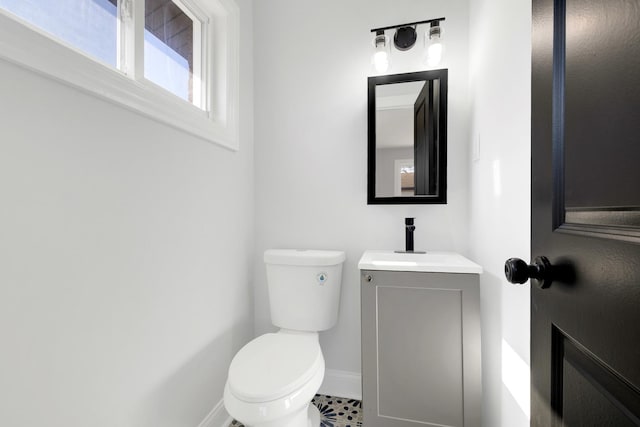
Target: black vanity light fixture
x=405, y=38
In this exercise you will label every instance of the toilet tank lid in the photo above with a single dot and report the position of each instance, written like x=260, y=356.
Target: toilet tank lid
x=303, y=257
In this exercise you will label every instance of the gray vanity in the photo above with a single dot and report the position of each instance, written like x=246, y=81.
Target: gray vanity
x=420, y=340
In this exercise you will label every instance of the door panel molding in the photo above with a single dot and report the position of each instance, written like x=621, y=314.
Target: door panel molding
x=620, y=393
x=557, y=108
x=609, y=222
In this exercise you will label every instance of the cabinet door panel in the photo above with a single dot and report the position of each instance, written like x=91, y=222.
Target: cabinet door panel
x=420, y=354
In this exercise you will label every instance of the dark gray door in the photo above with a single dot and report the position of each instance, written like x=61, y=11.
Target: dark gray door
x=585, y=327
x=424, y=145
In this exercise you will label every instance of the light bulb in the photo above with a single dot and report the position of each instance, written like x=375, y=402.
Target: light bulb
x=434, y=54
x=433, y=45
x=381, y=57
x=381, y=61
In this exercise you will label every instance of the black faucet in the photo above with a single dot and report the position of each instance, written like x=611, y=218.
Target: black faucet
x=409, y=228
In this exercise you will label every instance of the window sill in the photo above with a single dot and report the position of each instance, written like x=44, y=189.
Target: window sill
x=29, y=48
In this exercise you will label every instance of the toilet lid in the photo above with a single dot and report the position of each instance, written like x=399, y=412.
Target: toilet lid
x=273, y=365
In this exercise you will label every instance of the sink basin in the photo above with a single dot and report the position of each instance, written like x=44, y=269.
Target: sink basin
x=432, y=262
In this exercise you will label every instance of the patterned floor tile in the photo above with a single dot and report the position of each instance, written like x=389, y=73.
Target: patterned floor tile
x=334, y=412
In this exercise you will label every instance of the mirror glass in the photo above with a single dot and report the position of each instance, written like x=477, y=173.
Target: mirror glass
x=407, y=138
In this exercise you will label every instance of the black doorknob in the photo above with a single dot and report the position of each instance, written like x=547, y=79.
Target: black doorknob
x=517, y=271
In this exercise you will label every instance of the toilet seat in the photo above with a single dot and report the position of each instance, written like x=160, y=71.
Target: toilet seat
x=274, y=365
x=293, y=410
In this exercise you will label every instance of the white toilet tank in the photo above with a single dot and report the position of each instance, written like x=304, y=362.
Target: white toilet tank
x=304, y=288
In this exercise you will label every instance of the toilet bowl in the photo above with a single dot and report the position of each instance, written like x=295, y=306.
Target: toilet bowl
x=273, y=378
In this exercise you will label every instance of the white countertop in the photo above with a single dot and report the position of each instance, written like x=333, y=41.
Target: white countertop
x=431, y=262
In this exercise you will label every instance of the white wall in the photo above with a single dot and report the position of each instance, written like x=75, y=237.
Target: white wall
x=125, y=258
x=312, y=60
x=500, y=199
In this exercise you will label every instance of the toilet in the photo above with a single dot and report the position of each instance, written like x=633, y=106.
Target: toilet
x=273, y=378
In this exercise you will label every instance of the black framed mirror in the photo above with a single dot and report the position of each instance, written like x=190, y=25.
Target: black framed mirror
x=407, y=151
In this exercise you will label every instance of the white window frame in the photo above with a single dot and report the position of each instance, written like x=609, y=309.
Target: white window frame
x=214, y=118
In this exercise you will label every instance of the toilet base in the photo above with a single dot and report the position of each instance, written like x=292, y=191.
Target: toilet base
x=314, y=416
x=304, y=418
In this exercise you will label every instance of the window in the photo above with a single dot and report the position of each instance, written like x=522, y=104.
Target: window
x=89, y=25
x=172, y=49
x=173, y=60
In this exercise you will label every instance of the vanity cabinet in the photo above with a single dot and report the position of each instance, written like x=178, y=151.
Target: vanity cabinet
x=420, y=348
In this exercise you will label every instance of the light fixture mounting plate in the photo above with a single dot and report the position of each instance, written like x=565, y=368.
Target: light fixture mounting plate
x=405, y=38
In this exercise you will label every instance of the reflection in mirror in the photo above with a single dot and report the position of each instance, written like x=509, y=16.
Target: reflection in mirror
x=407, y=139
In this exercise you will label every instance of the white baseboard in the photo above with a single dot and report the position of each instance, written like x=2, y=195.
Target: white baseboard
x=218, y=417
x=342, y=384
